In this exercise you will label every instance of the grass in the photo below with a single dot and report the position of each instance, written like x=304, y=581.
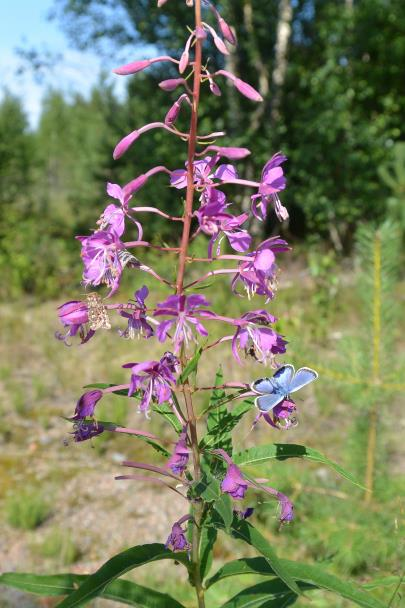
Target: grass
x=58, y=546
x=26, y=509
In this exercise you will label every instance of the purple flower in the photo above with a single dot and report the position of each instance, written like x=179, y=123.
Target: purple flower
x=214, y=221
x=183, y=309
x=272, y=182
x=177, y=540
x=282, y=415
x=286, y=508
x=258, y=274
x=204, y=173
x=84, y=431
x=112, y=219
x=87, y=403
x=256, y=338
x=104, y=258
x=153, y=379
x=75, y=316
x=179, y=459
x=137, y=323
x=234, y=483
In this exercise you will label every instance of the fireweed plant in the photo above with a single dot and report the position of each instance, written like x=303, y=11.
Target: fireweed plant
x=204, y=469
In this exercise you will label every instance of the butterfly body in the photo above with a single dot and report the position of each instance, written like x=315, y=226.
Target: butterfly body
x=285, y=381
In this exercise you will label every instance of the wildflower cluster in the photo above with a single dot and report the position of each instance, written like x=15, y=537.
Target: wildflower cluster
x=182, y=321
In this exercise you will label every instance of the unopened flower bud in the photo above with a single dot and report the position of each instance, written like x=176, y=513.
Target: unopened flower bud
x=226, y=31
x=133, y=68
x=247, y=90
x=171, y=84
x=214, y=88
x=87, y=403
x=124, y=144
x=184, y=59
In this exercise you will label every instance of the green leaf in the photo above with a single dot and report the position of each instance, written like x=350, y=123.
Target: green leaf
x=313, y=575
x=167, y=413
x=283, y=451
x=208, y=540
x=122, y=591
x=243, y=530
x=132, y=558
x=219, y=434
x=208, y=488
x=223, y=506
x=270, y=594
x=191, y=366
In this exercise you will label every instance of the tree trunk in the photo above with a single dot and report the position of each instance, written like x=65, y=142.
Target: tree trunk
x=280, y=57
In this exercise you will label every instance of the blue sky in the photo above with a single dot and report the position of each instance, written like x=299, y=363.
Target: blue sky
x=23, y=23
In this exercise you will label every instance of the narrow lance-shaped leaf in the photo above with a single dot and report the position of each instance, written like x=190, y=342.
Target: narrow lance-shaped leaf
x=168, y=414
x=116, y=567
x=223, y=506
x=191, y=366
x=282, y=451
x=313, y=575
x=242, y=530
x=125, y=592
x=208, y=539
x=270, y=594
x=218, y=433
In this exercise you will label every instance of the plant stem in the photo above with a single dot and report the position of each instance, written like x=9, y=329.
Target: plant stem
x=188, y=212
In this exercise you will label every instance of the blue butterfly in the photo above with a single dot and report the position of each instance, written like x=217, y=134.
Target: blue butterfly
x=274, y=390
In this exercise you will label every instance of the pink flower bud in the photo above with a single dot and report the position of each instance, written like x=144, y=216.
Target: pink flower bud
x=135, y=185
x=133, y=68
x=138, y=66
x=73, y=313
x=161, y=3
x=247, y=90
x=171, y=84
x=124, y=144
x=200, y=33
x=172, y=114
x=229, y=152
x=243, y=87
x=226, y=31
x=184, y=59
x=214, y=88
x=217, y=41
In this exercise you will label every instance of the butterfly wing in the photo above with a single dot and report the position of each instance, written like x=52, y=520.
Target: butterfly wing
x=283, y=377
x=262, y=386
x=304, y=376
x=265, y=403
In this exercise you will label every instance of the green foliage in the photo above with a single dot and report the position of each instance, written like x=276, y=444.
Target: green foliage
x=312, y=576
x=121, y=591
x=117, y=566
x=27, y=509
x=282, y=451
x=339, y=110
x=393, y=175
